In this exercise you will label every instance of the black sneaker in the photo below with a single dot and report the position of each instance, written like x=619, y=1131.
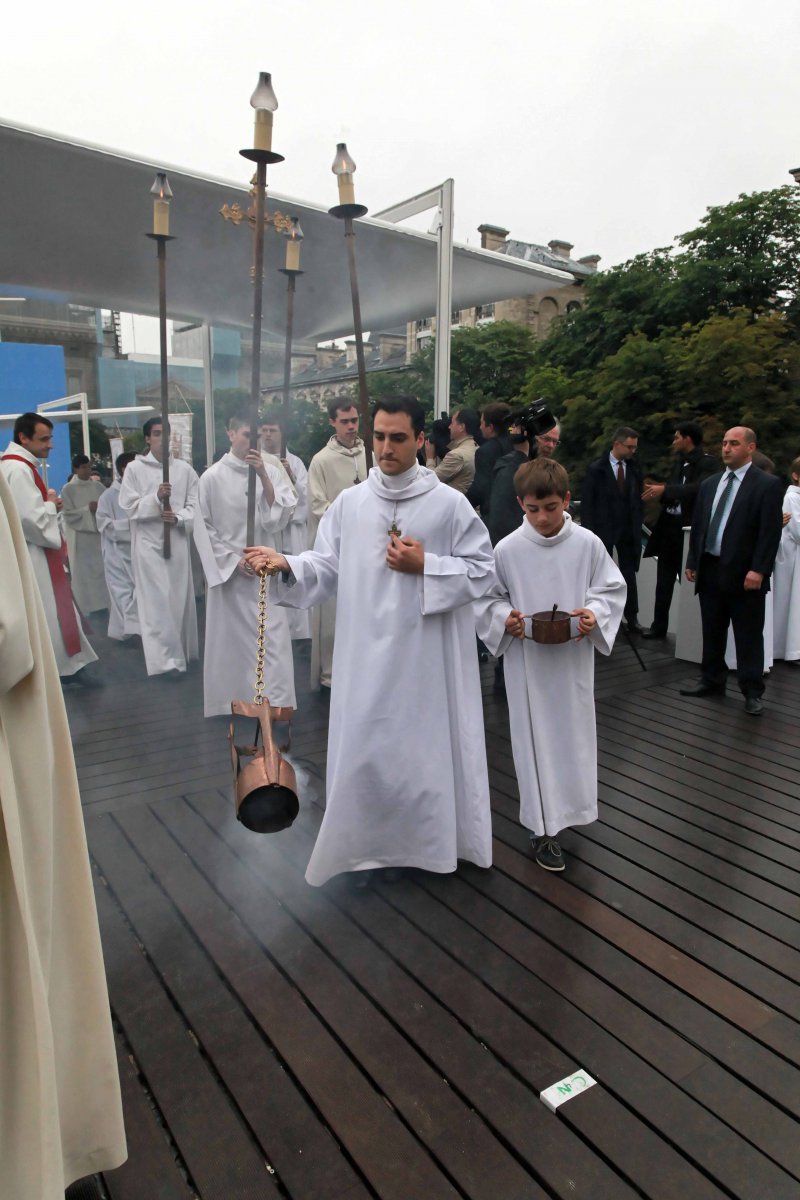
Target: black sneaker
x=547, y=852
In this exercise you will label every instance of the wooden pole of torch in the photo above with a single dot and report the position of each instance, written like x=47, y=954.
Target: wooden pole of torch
x=162, y=329
x=255, y=380
x=358, y=330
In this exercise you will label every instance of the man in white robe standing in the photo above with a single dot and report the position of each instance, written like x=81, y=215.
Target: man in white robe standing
x=407, y=782
x=232, y=604
x=60, y=1108
x=547, y=563
x=79, y=499
x=38, y=510
x=339, y=465
x=164, y=587
x=295, y=535
x=115, y=542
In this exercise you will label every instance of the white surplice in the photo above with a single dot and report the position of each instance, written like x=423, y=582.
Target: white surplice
x=786, y=582
x=407, y=783
x=232, y=604
x=43, y=532
x=60, y=1108
x=83, y=543
x=295, y=539
x=550, y=689
x=333, y=469
x=164, y=587
x=114, y=526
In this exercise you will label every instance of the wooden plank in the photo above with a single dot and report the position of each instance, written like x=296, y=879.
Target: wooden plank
x=293, y=1140
x=151, y=1169
x=219, y=1152
x=548, y=1148
x=456, y=1137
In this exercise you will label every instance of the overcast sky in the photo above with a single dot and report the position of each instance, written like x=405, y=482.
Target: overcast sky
x=611, y=124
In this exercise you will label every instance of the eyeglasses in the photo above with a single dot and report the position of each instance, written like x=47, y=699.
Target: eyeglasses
x=549, y=441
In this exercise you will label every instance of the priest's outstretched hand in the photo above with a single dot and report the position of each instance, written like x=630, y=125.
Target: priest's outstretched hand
x=264, y=557
x=405, y=554
x=587, y=621
x=515, y=624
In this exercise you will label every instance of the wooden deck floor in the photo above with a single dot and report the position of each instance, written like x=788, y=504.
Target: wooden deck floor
x=281, y=1041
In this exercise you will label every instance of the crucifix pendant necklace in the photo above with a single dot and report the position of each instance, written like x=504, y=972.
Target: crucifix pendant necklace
x=393, y=530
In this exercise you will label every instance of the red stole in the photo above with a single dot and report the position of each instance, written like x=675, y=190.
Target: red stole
x=65, y=606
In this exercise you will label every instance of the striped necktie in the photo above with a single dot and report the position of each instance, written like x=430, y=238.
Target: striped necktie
x=720, y=510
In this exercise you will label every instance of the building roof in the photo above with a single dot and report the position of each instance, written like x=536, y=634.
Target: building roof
x=342, y=371
x=532, y=252
x=73, y=219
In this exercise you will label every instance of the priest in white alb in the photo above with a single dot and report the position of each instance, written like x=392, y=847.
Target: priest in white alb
x=79, y=500
x=295, y=535
x=407, y=782
x=550, y=563
x=60, y=1107
x=232, y=604
x=38, y=510
x=339, y=465
x=114, y=526
x=164, y=587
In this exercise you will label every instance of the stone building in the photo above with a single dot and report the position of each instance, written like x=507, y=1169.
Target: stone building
x=535, y=312
x=334, y=372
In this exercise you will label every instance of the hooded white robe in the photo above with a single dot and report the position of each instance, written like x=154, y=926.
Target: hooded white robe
x=295, y=539
x=42, y=531
x=60, y=1109
x=550, y=689
x=164, y=586
x=786, y=582
x=114, y=526
x=232, y=604
x=83, y=543
x=333, y=469
x=407, y=783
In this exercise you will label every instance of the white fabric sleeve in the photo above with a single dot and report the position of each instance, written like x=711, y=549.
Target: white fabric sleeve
x=467, y=573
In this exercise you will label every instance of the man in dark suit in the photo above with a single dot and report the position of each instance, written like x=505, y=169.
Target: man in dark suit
x=494, y=427
x=736, y=531
x=677, y=498
x=611, y=506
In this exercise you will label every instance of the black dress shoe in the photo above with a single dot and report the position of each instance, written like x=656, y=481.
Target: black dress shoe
x=753, y=706
x=703, y=689
x=633, y=627
x=654, y=634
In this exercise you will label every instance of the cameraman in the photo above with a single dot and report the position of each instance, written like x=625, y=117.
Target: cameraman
x=494, y=427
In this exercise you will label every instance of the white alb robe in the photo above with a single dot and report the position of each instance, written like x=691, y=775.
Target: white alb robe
x=164, y=587
x=407, y=783
x=333, y=469
x=550, y=689
x=232, y=604
x=42, y=531
x=786, y=582
x=295, y=539
x=60, y=1109
x=83, y=543
x=114, y=526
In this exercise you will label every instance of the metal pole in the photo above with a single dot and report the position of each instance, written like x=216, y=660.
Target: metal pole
x=162, y=329
x=287, y=357
x=444, y=301
x=85, y=425
x=363, y=396
x=208, y=391
x=255, y=383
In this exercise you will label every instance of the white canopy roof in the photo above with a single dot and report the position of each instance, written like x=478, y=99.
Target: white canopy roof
x=73, y=219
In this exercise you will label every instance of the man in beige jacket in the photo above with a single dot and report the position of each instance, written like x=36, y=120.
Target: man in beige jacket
x=339, y=465
x=457, y=468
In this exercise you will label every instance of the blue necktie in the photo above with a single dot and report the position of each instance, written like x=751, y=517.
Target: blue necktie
x=719, y=512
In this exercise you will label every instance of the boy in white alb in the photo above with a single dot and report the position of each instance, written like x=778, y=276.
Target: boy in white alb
x=549, y=561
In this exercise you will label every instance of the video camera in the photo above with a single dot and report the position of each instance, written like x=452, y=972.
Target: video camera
x=537, y=418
